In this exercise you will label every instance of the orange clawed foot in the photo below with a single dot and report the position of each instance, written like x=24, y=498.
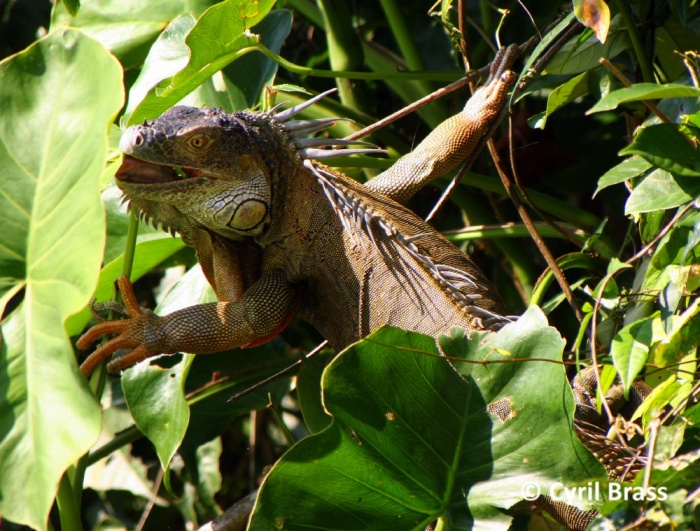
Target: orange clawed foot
x=129, y=335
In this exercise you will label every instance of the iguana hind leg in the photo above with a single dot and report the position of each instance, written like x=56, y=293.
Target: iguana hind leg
x=454, y=139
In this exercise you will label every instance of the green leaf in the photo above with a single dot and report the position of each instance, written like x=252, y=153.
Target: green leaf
x=576, y=57
x=208, y=475
x=246, y=78
x=666, y=147
x=607, y=378
x=168, y=55
x=659, y=398
x=216, y=40
x=237, y=87
x=566, y=93
x=412, y=440
x=156, y=395
x=661, y=190
x=150, y=251
x=72, y=6
x=628, y=168
x=58, y=98
x=543, y=46
x=310, y=393
x=643, y=91
x=127, y=28
x=630, y=349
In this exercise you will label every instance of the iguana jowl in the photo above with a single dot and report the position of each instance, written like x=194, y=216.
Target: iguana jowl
x=278, y=234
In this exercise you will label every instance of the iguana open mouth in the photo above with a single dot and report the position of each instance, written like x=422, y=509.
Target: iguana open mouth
x=134, y=170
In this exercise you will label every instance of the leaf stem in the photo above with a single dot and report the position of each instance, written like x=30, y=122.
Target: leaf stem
x=306, y=71
x=67, y=507
x=99, y=376
x=635, y=39
x=127, y=436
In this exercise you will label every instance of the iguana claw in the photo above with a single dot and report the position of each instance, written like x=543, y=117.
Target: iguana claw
x=130, y=335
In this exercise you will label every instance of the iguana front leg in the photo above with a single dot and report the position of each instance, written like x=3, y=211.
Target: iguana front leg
x=454, y=139
x=260, y=315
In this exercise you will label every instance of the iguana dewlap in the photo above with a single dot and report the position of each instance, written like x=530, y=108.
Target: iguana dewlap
x=278, y=234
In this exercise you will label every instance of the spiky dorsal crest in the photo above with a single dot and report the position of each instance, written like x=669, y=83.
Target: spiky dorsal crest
x=359, y=218
x=308, y=147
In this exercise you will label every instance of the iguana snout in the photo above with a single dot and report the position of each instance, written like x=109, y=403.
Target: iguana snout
x=139, y=171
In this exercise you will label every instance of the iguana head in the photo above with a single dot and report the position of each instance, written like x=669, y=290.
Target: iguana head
x=209, y=166
x=216, y=169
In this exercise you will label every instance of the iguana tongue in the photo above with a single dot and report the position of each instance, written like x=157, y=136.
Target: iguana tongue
x=139, y=171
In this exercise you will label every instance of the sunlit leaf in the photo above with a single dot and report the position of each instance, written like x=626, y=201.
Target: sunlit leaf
x=661, y=190
x=126, y=27
x=167, y=57
x=663, y=145
x=624, y=171
x=644, y=91
x=412, y=439
x=630, y=349
x=53, y=142
x=217, y=39
x=566, y=93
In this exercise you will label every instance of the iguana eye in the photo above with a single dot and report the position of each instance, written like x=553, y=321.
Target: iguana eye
x=200, y=142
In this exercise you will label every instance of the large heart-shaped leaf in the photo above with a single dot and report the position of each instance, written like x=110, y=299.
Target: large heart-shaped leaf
x=58, y=98
x=414, y=441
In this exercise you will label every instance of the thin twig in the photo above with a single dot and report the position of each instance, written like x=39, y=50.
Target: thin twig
x=522, y=49
x=279, y=374
x=471, y=76
x=661, y=233
x=594, y=349
x=554, y=48
x=626, y=82
x=539, y=64
x=539, y=242
x=654, y=426
x=418, y=104
x=464, y=36
x=151, y=500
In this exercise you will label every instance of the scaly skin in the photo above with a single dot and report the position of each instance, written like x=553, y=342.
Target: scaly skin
x=273, y=243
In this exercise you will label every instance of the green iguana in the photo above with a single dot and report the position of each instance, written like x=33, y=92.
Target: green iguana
x=278, y=234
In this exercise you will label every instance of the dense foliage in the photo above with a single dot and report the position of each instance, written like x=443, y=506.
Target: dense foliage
x=387, y=434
